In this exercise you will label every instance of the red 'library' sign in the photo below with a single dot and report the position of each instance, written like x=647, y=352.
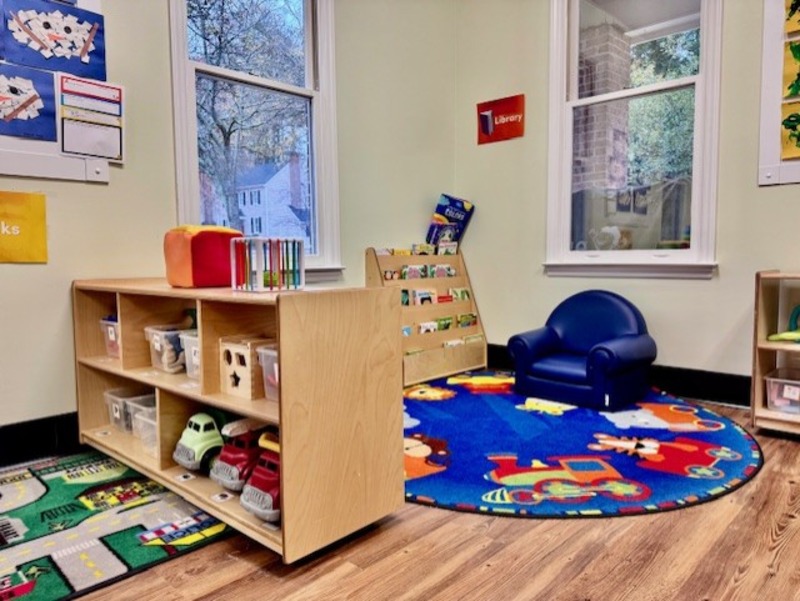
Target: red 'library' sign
x=501, y=119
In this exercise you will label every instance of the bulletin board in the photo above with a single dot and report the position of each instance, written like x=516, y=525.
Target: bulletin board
x=59, y=116
x=779, y=143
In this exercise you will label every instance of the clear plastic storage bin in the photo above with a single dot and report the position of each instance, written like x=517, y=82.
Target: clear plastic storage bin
x=268, y=358
x=117, y=401
x=166, y=349
x=783, y=390
x=144, y=428
x=110, y=328
x=191, y=348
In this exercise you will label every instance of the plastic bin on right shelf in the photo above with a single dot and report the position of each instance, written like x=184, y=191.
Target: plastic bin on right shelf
x=268, y=358
x=191, y=349
x=144, y=428
x=783, y=390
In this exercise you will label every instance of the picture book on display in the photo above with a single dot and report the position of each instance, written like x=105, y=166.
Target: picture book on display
x=450, y=219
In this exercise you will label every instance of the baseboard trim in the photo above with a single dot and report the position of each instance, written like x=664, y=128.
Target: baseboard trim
x=679, y=381
x=49, y=436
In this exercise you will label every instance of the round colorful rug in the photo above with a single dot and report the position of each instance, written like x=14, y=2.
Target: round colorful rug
x=471, y=444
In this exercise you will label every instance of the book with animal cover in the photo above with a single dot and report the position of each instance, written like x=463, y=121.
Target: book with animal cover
x=450, y=219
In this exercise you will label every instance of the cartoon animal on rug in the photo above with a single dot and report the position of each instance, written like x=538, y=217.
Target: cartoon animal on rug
x=18, y=99
x=681, y=457
x=544, y=407
x=498, y=382
x=424, y=456
x=568, y=479
x=425, y=392
x=662, y=416
x=54, y=34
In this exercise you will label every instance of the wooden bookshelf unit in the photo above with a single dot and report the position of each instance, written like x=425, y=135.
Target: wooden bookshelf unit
x=426, y=355
x=777, y=293
x=339, y=411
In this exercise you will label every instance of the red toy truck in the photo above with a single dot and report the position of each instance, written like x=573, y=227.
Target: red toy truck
x=239, y=453
x=261, y=494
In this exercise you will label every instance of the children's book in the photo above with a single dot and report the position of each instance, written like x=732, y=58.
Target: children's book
x=450, y=219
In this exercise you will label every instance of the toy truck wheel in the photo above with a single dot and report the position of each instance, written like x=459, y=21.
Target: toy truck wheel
x=208, y=459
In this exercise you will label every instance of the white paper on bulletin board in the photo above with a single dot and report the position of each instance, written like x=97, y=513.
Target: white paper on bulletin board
x=91, y=118
x=26, y=157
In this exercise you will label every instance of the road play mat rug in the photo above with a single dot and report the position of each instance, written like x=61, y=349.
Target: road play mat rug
x=471, y=444
x=72, y=524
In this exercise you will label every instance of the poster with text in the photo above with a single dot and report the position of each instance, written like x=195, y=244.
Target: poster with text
x=23, y=228
x=54, y=37
x=27, y=103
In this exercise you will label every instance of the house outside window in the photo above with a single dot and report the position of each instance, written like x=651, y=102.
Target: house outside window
x=634, y=88
x=255, y=119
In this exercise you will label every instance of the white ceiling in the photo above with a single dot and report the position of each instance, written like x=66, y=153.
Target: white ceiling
x=637, y=14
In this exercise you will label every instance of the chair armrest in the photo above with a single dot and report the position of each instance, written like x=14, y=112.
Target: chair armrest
x=619, y=354
x=524, y=348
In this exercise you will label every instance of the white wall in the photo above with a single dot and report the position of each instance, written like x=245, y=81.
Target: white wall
x=93, y=230
x=410, y=73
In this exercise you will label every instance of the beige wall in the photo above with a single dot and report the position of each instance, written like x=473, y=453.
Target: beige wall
x=409, y=73
x=93, y=230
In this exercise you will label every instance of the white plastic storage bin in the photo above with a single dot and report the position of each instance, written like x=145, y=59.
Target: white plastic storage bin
x=117, y=401
x=143, y=404
x=166, y=350
x=191, y=349
x=268, y=358
x=144, y=428
x=110, y=328
x=783, y=390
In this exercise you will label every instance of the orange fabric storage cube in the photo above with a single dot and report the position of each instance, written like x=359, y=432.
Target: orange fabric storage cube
x=199, y=256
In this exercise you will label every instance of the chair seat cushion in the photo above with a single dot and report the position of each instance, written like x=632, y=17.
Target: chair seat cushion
x=564, y=367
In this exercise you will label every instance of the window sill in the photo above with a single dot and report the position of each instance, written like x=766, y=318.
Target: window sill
x=320, y=275
x=675, y=271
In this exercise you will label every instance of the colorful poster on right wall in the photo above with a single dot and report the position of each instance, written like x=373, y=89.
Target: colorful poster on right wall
x=792, y=16
x=790, y=131
x=791, y=69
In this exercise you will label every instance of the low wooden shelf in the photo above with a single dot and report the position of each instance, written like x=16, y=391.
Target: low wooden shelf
x=339, y=413
x=776, y=295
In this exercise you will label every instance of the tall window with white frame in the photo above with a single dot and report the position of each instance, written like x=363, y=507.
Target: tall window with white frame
x=255, y=119
x=634, y=89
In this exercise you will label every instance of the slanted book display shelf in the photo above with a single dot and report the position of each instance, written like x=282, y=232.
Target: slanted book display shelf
x=442, y=329
x=339, y=408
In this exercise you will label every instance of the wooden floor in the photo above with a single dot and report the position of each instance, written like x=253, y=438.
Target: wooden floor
x=744, y=546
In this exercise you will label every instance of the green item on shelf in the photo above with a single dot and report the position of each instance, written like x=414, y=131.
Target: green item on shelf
x=792, y=334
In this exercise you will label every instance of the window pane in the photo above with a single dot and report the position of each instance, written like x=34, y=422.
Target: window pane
x=632, y=173
x=254, y=154
x=261, y=37
x=625, y=44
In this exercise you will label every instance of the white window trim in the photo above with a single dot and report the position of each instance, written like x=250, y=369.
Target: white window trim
x=697, y=262
x=322, y=90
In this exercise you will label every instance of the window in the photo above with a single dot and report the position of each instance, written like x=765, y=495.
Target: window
x=255, y=119
x=633, y=138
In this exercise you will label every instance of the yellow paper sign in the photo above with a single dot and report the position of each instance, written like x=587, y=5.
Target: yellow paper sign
x=23, y=228
x=792, y=17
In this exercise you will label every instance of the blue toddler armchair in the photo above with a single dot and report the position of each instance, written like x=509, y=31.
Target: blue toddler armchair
x=594, y=351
